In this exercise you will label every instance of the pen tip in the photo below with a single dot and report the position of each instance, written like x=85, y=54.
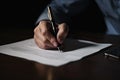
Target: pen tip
x=59, y=49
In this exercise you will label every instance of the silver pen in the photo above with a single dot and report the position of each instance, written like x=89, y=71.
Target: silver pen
x=52, y=21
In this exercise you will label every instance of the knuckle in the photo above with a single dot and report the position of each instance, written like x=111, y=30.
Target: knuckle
x=44, y=32
x=35, y=30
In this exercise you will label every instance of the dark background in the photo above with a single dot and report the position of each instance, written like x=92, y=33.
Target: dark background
x=20, y=13
x=18, y=17
x=24, y=13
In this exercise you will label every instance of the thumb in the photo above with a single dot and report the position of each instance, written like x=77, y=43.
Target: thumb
x=62, y=32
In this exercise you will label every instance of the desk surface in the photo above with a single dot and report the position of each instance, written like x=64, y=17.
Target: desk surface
x=95, y=67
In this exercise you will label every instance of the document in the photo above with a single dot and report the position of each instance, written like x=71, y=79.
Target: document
x=74, y=50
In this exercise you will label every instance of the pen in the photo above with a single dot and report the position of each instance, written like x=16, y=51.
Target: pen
x=107, y=55
x=52, y=21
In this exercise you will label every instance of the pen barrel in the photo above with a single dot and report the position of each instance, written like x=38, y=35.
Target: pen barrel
x=53, y=25
x=54, y=29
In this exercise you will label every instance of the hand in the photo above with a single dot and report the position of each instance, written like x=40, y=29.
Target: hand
x=44, y=38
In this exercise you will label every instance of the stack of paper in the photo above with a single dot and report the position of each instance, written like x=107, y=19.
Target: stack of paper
x=73, y=50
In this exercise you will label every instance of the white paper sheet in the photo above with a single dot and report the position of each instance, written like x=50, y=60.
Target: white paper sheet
x=73, y=50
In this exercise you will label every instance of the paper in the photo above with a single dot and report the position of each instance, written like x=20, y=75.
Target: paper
x=73, y=50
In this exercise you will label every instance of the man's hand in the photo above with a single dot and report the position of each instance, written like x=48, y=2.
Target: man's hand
x=45, y=39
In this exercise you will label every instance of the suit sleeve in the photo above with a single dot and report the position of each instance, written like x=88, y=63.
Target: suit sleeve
x=63, y=10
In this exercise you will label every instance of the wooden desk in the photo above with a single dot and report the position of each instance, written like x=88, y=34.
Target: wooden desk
x=94, y=67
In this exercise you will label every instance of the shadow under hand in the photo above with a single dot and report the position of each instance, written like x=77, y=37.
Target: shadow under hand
x=72, y=44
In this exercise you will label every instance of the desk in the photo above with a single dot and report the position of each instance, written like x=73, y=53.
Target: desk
x=94, y=67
